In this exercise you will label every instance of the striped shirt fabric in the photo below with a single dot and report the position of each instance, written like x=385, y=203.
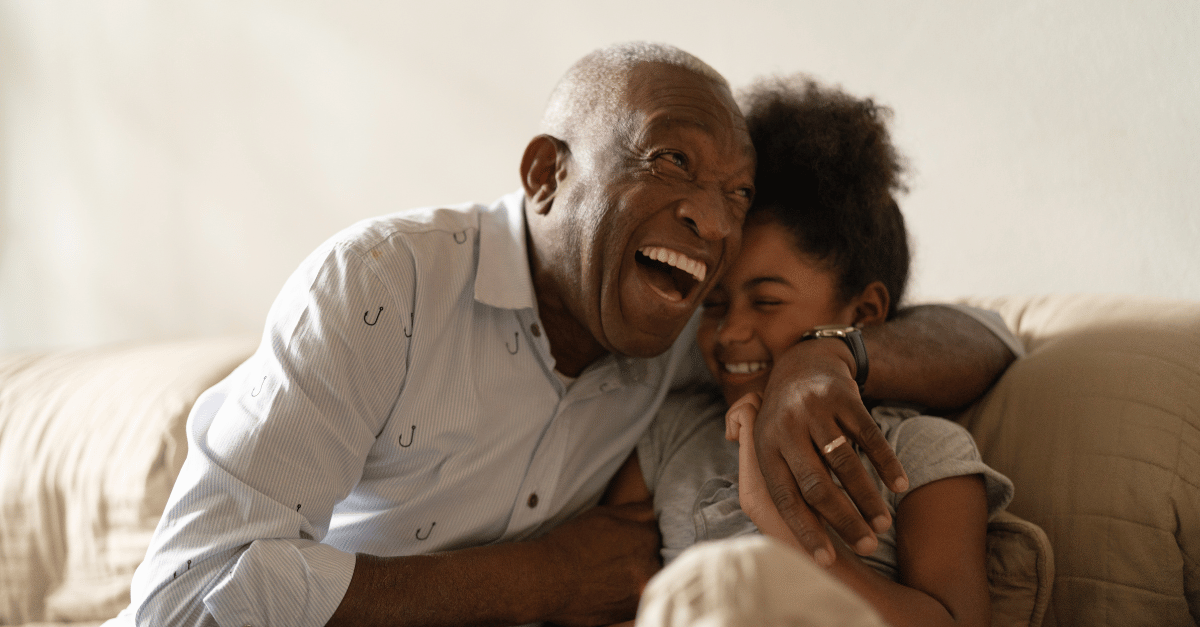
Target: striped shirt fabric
x=403, y=401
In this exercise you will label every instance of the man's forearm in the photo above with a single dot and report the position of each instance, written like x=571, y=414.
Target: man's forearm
x=503, y=584
x=935, y=356
x=589, y=571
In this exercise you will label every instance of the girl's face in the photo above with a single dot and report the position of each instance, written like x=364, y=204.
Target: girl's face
x=770, y=296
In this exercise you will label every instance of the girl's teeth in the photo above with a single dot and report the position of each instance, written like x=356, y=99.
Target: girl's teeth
x=746, y=367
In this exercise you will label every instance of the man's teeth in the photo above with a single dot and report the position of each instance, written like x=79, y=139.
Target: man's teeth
x=697, y=269
x=746, y=367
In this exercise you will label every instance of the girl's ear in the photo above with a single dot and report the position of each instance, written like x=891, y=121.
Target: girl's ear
x=543, y=167
x=871, y=306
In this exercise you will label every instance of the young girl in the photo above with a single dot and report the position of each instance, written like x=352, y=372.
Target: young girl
x=824, y=244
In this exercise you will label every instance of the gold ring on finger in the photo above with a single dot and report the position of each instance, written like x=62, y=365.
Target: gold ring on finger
x=832, y=446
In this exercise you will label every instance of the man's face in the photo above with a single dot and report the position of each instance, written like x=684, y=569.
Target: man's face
x=657, y=204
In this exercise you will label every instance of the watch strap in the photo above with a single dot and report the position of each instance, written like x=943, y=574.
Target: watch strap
x=852, y=337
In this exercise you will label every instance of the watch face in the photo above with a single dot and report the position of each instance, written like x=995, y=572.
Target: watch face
x=852, y=336
x=830, y=330
x=835, y=327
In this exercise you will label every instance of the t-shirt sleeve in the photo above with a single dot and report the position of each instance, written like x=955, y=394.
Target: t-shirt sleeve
x=935, y=448
x=272, y=449
x=691, y=471
x=994, y=323
x=672, y=434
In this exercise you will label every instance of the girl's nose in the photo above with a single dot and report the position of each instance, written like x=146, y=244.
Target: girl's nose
x=734, y=328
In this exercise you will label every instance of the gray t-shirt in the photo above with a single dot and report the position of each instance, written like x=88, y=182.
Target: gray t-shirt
x=692, y=470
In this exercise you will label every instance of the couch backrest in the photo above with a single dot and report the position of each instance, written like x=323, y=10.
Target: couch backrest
x=1099, y=429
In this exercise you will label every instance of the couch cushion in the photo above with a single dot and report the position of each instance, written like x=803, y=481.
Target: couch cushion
x=1099, y=429
x=90, y=444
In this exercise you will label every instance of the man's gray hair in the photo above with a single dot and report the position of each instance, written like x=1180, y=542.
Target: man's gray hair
x=594, y=84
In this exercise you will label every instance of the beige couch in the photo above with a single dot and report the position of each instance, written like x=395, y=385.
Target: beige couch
x=1099, y=428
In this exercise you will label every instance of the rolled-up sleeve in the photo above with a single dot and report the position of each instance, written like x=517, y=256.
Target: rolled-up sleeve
x=273, y=448
x=282, y=582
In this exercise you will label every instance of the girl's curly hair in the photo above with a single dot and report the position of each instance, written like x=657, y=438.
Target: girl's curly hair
x=827, y=171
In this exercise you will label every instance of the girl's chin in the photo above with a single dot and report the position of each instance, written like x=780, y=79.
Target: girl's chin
x=734, y=391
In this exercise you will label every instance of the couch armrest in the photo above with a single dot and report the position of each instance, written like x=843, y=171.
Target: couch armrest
x=90, y=444
x=1020, y=571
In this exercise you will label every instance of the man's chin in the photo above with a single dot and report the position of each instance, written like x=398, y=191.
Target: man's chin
x=641, y=344
x=643, y=350
x=644, y=323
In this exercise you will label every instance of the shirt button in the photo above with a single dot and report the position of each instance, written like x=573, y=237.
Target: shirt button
x=536, y=330
x=533, y=500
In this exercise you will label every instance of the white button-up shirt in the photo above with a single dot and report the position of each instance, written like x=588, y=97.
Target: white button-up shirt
x=403, y=401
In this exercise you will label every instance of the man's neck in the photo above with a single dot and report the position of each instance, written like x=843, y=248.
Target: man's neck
x=571, y=345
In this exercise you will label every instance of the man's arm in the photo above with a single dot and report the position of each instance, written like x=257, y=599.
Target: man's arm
x=931, y=355
x=934, y=356
x=590, y=571
x=276, y=446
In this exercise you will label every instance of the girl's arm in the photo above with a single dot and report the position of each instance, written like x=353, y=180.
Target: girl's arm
x=941, y=531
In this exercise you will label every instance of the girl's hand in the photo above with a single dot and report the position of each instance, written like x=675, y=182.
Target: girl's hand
x=753, y=495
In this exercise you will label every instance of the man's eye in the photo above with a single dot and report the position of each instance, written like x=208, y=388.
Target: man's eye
x=746, y=192
x=676, y=159
x=767, y=302
x=713, y=308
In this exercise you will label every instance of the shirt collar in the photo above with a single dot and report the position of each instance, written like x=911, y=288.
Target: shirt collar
x=502, y=278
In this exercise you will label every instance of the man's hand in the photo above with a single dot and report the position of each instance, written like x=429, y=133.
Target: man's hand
x=607, y=554
x=810, y=401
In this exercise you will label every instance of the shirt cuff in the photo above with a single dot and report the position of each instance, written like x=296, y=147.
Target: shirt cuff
x=288, y=582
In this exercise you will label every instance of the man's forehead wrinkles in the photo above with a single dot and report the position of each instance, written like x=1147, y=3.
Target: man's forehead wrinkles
x=699, y=92
x=680, y=92
x=696, y=116
x=697, y=102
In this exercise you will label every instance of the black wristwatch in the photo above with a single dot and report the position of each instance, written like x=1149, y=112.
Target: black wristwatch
x=853, y=339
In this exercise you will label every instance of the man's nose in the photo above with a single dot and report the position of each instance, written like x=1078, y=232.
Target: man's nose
x=707, y=214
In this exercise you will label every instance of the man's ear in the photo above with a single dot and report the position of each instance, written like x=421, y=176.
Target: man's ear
x=543, y=166
x=871, y=306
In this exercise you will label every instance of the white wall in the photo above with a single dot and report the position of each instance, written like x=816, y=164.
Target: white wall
x=164, y=166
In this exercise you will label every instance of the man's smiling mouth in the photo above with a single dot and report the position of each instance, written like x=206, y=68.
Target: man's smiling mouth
x=671, y=273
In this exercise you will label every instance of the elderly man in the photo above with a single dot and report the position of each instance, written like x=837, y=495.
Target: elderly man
x=441, y=396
